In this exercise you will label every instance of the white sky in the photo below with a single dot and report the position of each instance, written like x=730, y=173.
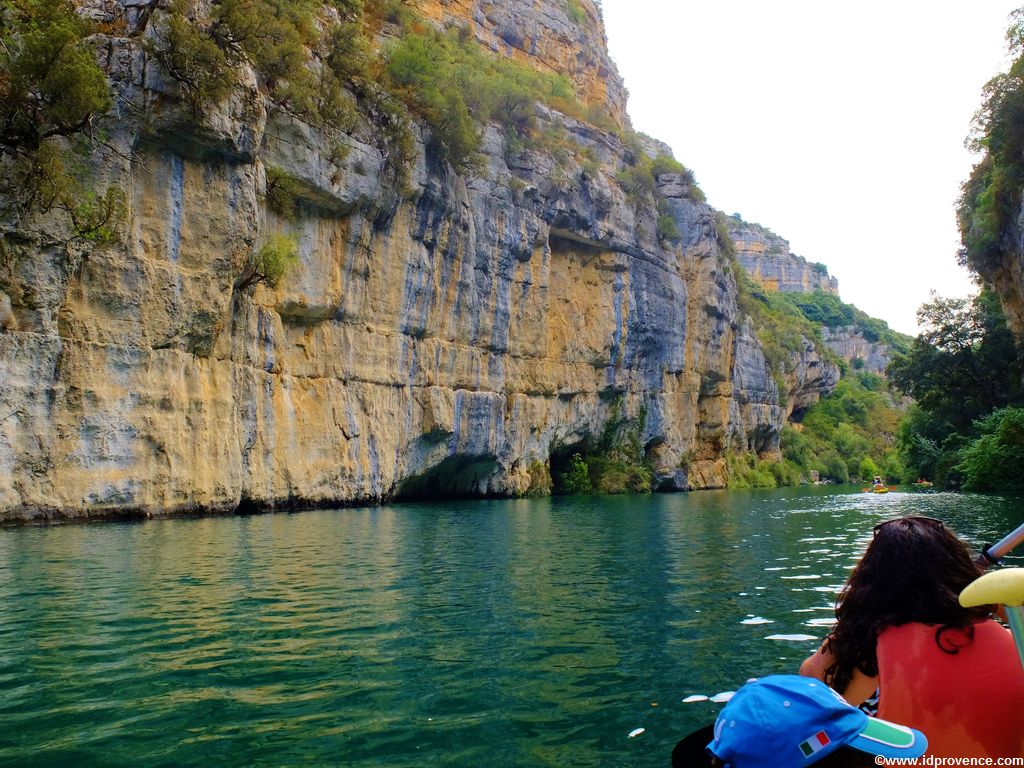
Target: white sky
x=839, y=126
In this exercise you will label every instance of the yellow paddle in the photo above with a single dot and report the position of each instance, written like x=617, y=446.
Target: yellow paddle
x=1003, y=587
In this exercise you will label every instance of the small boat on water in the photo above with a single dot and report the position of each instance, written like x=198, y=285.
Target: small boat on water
x=877, y=486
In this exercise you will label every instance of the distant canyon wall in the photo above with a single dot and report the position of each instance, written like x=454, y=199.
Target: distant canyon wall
x=769, y=261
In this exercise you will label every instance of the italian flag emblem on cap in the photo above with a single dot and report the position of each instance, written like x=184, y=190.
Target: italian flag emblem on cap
x=813, y=744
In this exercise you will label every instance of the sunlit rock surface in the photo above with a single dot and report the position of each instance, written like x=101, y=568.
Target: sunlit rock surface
x=769, y=261
x=446, y=339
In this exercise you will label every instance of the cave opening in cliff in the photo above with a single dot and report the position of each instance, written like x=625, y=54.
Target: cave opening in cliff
x=249, y=506
x=797, y=416
x=563, y=465
x=457, y=477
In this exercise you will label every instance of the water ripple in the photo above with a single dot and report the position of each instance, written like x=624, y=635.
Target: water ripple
x=422, y=634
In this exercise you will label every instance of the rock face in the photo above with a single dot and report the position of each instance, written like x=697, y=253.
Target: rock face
x=564, y=37
x=768, y=260
x=451, y=339
x=849, y=343
x=1006, y=276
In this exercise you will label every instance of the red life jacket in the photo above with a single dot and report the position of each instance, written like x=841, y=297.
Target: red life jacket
x=968, y=704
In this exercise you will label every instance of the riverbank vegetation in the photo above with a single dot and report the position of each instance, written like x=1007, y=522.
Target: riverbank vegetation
x=850, y=434
x=613, y=463
x=847, y=436
x=965, y=376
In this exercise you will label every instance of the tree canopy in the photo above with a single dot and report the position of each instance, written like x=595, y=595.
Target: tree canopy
x=50, y=83
x=962, y=367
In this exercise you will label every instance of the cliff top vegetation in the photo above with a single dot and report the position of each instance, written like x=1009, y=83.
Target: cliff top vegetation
x=991, y=197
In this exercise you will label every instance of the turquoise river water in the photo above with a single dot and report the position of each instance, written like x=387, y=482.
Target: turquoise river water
x=539, y=632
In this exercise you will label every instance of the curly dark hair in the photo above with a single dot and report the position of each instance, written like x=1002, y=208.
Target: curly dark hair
x=913, y=571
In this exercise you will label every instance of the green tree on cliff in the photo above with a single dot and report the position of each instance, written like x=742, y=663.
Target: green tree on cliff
x=50, y=83
x=991, y=197
x=51, y=88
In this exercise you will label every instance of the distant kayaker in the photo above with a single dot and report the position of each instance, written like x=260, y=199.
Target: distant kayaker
x=788, y=720
x=949, y=671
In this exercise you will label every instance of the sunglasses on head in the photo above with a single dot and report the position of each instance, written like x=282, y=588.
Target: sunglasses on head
x=910, y=519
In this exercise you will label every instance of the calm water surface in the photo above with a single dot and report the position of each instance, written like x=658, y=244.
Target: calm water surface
x=514, y=633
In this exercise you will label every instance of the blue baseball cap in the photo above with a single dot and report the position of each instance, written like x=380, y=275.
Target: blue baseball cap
x=792, y=720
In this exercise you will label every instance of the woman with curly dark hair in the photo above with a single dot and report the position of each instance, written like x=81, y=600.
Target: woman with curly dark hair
x=949, y=671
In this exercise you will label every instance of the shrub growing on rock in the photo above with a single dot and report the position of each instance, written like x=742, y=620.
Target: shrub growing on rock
x=575, y=479
x=271, y=262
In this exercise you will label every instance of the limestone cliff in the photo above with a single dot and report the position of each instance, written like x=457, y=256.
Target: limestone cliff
x=849, y=343
x=561, y=37
x=452, y=337
x=1005, y=274
x=768, y=260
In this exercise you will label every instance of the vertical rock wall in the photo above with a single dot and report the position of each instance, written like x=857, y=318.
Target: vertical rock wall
x=446, y=339
x=768, y=260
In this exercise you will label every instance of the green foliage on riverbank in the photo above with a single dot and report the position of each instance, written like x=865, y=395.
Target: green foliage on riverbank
x=613, y=463
x=992, y=461
x=746, y=470
x=620, y=469
x=960, y=370
x=850, y=434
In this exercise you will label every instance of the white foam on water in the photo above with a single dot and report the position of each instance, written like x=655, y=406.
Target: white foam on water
x=760, y=587
x=803, y=576
x=779, y=568
x=755, y=620
x=820, y=622
x=815, y=539
x=795, y=638
x=722, y=697
x=636, y=732
x=694, y=697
